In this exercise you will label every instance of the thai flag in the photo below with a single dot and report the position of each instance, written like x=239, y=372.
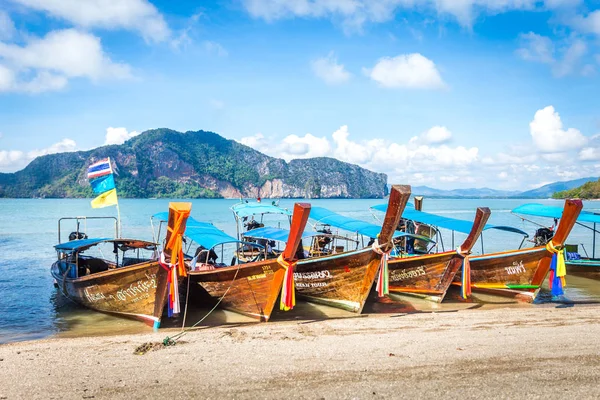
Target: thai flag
x=99, y=168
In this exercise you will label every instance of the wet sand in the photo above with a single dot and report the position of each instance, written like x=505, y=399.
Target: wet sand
x=545, y=351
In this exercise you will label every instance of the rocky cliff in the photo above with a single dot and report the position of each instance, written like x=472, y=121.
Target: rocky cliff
x=167, y=163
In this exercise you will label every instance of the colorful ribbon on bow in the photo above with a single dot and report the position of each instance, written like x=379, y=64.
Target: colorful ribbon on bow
x=465, y=287
x=176, y=267
x=558, y=270
x=288, y=294
x=383, y=279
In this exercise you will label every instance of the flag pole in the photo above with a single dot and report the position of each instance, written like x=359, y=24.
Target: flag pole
x=119, y=233
x=118, y=220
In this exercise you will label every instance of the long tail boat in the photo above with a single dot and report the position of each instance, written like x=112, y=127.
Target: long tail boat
x=429, y=276
x=585, y=266
x=344, y=280
x=250, y=288
x=134, y=287
x=520, y=273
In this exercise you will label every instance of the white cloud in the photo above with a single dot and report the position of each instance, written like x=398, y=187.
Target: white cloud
x=291, y=147
x=47, y=63
x=542, y=49
x=13, y=160
x=328, y=69
x=592, y=150
x=7, y=79
x=514, y=159
x=437, y=134
x=65, y=145
x=396, y=159
x=406, y=71
x=562, y=3
x=536, y=48
x=118, y=135
x=307, y=146
x=347, y=150
x=589, y=154
x=355, y=13
x=449, y=178
x=549, y=136
x=417, y=161
x=587, y=24
x=135, y=15
x=9, y=158
x=7, y=28
x=215, y=48
x=257, y=142
x=571, y=58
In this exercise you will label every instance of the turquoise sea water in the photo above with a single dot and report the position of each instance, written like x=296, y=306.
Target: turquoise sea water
x=31, y=309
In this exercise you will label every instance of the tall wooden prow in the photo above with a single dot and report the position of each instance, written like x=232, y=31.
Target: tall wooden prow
x=173, y=259
x=399, y=196
x=481, y=217
x=568, y=219
x=288, y=257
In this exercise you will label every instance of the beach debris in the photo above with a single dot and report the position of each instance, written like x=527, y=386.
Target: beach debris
x=147, y=347
x=153, y=346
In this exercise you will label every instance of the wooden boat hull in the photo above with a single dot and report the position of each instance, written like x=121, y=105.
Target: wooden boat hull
x=584, y=268
x=343, y=280
x=423, y=276
x=430, y=276
x=248, y=289
x=137, y=292
x=516, y=273
x=519, y=273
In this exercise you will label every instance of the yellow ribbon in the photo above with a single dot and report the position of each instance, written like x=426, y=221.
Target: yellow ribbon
x=383, y=279
x=466, y=273
x=288, y=294
x=561, y=269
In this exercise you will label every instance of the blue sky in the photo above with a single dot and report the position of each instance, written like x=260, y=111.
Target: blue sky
x=470, y=93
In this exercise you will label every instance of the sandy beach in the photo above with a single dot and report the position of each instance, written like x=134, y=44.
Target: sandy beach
x=542, y=352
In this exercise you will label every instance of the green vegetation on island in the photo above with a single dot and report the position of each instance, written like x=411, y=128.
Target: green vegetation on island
x=589, y=190
x=167, y=163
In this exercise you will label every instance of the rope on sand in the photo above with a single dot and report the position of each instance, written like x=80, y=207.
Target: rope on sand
x=172, y=340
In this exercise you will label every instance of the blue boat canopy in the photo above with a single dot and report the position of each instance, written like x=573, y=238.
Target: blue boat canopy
x=203, y=233
x=278, y=234
x=324, y=216
x=281, y=235
x=242, y=210
x=452, y=224
x=79, y=245
x=540, y=210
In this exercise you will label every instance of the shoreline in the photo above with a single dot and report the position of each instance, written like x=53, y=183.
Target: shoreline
x=546, y=351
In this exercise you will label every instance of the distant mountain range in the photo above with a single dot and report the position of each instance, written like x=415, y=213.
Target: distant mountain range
x=543, y=192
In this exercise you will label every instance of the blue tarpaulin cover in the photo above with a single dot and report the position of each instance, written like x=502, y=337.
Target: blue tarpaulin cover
x=452, y=224
x=281, y=235
x=325, y=216
x=540, y=210
x=242, y=210
x=203, y=233
x=278, y=234
x=78, y=245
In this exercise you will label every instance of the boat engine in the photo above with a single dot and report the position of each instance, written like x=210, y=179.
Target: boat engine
x=253, y=224
x=543, y=236
x=77, y=236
